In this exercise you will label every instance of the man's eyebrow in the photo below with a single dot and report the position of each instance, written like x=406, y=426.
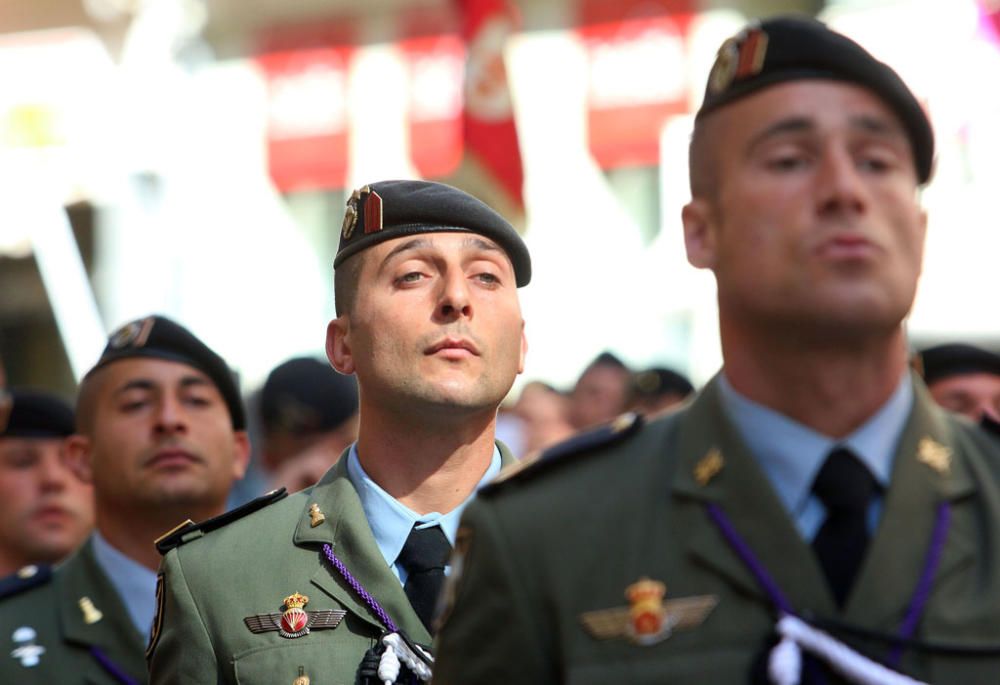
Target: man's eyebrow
x=783, y=126
x=414, y=244
x=136, y=384
x=481, y=243
x=189, y=381
x=877, y=125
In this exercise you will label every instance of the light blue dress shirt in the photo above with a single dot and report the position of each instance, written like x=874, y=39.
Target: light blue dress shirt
x=135, y=584
x=791, y=454
x=391, y=521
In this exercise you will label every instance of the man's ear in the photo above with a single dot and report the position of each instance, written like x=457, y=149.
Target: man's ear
x=78, y=457
x=699, y=233
x=241, y=457
x=338, y=347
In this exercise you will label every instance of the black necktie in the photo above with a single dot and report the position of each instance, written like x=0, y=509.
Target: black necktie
x=424, y=557
x=846, y=487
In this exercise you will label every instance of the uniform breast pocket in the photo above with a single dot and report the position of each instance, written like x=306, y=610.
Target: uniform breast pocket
x=317, y=662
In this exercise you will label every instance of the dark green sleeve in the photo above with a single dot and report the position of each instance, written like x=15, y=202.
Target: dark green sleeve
x=182, y=652
x=493, y=632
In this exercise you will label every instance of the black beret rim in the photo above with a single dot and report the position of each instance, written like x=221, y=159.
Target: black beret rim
x=226, y=386
x=902, y=103
x=517, y=252
x=957, y=359
x=38, y=414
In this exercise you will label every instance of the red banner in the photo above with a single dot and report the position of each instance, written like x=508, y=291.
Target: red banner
x=307, y=117
x=637, y=76
x=490, y=131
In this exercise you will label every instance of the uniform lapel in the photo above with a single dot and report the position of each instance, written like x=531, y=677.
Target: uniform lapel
x=106, y=625
x=922, y=478
x=346, y=529
x=742, y=491
x=506, y=456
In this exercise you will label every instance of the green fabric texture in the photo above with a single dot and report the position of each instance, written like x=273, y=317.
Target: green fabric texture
x=546, y=547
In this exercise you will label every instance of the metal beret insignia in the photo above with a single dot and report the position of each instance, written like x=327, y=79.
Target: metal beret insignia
x=132, y=334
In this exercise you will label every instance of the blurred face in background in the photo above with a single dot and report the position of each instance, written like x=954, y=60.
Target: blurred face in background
x=600, y=395
x=972, y=394
x=45, y=510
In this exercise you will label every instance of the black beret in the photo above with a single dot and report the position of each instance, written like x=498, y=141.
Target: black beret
x=157, y=337
x=392, y=209
x=956, y=359
x=305, y=395
x=34, y=414
x=787, y=48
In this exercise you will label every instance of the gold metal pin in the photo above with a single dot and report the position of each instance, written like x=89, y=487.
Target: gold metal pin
x=708, y=467
x=91, y=614
x=316, y=517
x=935, y=455
x=302, y=679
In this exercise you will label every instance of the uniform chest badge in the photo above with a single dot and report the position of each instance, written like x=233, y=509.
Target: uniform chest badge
x=25, y=649
x=294, y=621
x=648, y=619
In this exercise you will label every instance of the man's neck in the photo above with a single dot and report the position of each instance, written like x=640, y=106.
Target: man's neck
x=134, y=533
x=11, y=563
x=832, y=389
x=426, y=467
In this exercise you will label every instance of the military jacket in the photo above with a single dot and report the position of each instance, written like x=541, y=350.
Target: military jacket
x=550, y=546
x=72, y=629
x=247, y=568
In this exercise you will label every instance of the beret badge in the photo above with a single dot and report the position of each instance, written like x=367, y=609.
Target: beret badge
x=372, y=212
x=740, y=57
x=132, y=334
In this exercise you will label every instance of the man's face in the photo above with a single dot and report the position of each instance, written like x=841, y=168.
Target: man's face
x=45, y=510
x=436, y=325
x=971, y=394
x=599, y=396
x=161, y=436
x=815, y=220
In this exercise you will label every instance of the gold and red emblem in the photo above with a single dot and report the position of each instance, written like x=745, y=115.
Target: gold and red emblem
x=648, y=619
x=294, y=621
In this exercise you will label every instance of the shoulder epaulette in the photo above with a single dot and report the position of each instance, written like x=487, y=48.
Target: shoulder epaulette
x=25, y=578
x=583, y=443
x=189, y=530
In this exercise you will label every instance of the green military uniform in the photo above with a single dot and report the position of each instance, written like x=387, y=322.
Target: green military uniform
x=80, y=624
x=565, y=537
x=250, y=566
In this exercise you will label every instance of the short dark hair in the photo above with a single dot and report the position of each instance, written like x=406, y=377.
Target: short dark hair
x=345, y=284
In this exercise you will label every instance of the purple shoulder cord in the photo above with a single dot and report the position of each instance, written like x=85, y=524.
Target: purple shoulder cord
x=918, y=601
x=359, y=589
x=111, y=667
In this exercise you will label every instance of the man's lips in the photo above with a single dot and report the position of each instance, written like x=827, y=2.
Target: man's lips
x=51, y=512
x=846, y=246
x=172, y=456
x=453, y=347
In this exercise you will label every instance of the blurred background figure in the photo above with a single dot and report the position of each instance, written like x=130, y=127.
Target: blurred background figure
x=964, y=379
x=658, y=389
x=543, y=413
x=601, y=392
x=46, y=512
x=309, y=415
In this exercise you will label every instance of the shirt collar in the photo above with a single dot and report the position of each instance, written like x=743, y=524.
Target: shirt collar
x=791, y=454
x=391, y=521
x=135, y=584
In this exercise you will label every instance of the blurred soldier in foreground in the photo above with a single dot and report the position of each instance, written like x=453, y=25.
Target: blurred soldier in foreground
x=338, y=583
x=964, y=379
x=160, y=435
x=813, y=496
x=45, y=510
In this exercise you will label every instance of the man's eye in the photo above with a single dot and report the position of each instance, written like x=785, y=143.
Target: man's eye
x=488, y=278
x=197, y=401
x=133, y=405
x=787, y=162
x=411, y=277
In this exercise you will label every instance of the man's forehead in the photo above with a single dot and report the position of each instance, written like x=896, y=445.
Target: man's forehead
x=152, y=370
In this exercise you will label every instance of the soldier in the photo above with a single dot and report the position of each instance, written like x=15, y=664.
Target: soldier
x=813, y=482
x=160, y=435
x=45, y=510
x=348, y=571
x=964, y=379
